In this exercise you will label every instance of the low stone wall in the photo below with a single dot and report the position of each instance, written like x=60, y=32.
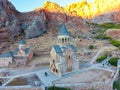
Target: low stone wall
x=84, y=86
x=22, y=88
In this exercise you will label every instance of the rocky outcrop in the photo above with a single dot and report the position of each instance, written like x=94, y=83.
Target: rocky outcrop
x=101, y=19
x=49, y=17
x=111, y=17
x=36, y=28
x=8, y=20
x=56, y=16
x=14, y=24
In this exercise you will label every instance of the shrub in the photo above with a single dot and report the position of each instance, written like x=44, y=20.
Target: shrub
x=91, y=47
x=58, y=88
x=116, y=85
x=100, y=59
x=108, y=25
x=113, y=61
x=102, y=36
x=115, y=42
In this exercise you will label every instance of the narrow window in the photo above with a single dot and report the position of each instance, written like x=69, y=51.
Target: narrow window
x=62, y=40
x=69, y=57
x=65, y=40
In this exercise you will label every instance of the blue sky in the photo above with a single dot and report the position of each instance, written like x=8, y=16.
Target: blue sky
x=29, y=5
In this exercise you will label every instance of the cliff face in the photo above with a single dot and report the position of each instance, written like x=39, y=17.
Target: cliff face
x=15, y=25
x=56, y=15
x=98, y=11
x=8, y=20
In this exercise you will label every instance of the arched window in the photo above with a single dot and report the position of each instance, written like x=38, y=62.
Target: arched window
x=53, y=61
x=56, y=71
x=65, y=40
x=69, y=57
x=62, y=40
x=68, y=39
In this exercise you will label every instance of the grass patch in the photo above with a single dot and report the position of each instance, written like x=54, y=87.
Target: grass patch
x=58, y=88
x=113, y=61
x=102, y=36
x=18, y=82
x=100, y=59
x=116, y=85
x=115, y=43
x=108, y=25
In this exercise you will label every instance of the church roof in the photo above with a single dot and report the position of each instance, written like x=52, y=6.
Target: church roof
x=73, y=48
x=27, y=50
x=60, y=50
x=57, y=49
x=63, y=31
x=9, y=54
x=16, y=50
x=22, y=42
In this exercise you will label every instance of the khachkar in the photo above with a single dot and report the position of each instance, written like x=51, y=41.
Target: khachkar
x=63, y=56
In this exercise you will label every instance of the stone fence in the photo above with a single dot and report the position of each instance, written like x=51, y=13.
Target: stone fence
x=87, y=86
x=21, y=88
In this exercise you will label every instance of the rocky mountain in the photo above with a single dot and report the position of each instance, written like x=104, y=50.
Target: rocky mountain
x=16, y=25
x=8, y=20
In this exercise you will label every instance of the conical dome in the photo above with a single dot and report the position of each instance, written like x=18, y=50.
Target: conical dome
x=63, y=30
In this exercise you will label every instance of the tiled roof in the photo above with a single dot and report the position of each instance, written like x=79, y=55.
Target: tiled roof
x=73, y=48
x=57, y=49
x=62, y=49
x=15, y=51
x=27, y=50
x=9, y=54
x=22, y=42
x=63, y=31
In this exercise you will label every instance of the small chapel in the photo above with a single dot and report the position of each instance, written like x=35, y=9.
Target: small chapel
x=63, y=55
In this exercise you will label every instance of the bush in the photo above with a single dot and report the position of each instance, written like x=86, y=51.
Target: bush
x=100, y=59
x=108, y=25
x=91, y=47
x=102, y=36
x=116, y=85
x=58, y=88
x=115, y=42
x=113, y=61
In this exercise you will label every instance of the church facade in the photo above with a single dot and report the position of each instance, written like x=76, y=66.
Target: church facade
x=63, y=55
x=19, y=56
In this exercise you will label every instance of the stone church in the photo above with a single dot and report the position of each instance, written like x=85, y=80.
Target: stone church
x=63, y=56
x=19, y=56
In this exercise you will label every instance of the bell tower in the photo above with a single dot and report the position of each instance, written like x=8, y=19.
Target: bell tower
x=63, y=36
x=22, y=44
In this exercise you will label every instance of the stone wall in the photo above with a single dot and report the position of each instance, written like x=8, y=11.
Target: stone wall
x=22, y=88
x=88, y=86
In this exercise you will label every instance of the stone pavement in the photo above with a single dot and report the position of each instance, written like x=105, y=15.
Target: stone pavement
x=47, y=80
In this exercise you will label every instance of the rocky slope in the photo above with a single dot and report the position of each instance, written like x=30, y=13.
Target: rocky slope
x=15, y=25
x=8, y=21
x=98, y=11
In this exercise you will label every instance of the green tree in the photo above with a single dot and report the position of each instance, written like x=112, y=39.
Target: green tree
x=91, y=47
x=116, y=85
